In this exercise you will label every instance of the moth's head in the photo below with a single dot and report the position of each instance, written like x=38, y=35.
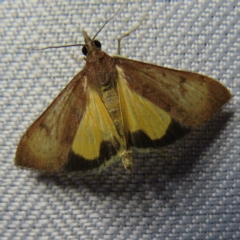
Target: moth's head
x=91, y=45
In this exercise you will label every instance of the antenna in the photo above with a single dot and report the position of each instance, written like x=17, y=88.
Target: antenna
x=80, y=44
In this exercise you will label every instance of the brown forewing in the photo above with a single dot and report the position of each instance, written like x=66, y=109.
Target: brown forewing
x=47, y=142
x=190, y=98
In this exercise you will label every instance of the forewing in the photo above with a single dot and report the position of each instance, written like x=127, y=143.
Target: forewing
x=189, y=98
x=46, y=144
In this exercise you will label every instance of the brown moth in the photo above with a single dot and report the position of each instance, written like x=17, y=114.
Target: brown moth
x=113, y=106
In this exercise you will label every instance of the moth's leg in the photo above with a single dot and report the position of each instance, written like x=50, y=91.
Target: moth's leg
x=126, y=157
x=128, y=33
x=77, y=59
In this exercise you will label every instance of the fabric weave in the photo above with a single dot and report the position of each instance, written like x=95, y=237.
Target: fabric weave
x=190, y=190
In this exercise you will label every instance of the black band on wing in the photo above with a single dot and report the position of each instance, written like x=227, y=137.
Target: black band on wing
x=174, y=132
x=108, y=149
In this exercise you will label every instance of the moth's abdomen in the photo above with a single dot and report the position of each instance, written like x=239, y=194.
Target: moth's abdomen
x=110, y=100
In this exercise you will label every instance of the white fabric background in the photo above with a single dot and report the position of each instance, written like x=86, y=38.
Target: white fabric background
x=191, y=190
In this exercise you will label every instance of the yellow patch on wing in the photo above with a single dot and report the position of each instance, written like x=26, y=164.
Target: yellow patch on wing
x=96, y=127
x=139, y=114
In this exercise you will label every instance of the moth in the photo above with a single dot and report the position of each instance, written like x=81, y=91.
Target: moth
x=113, y=106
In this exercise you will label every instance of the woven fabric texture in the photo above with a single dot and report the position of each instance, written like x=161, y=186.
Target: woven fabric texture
x=190, y=190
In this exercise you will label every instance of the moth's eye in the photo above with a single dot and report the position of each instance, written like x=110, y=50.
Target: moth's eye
x=97, y=43
x=84, y=50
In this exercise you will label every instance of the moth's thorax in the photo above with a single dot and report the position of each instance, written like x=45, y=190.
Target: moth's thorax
x=100, y=69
